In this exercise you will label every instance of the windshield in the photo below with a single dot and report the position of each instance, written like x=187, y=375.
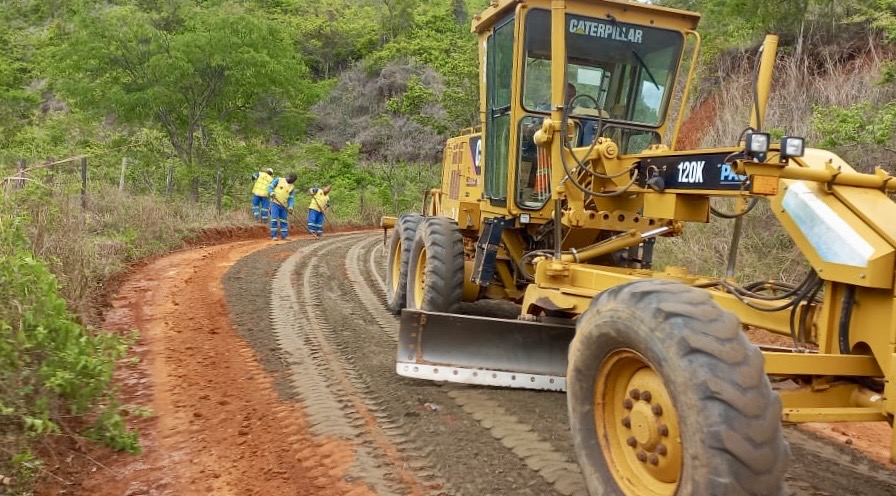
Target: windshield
x=627, y=69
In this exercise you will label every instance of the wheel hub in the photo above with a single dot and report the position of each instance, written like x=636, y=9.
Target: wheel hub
x=420, y=278
x=396, y=267
x=644, y=426
x=637, y=425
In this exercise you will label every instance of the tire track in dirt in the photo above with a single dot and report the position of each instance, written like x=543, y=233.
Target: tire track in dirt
x=443, y=434
x=310, y=379
x=370, y=299
x=812, y=446
x=370, y=296
x=380, y=286
x=335, y=395
x=411, y=448
x=519, y=437
x=539, y=455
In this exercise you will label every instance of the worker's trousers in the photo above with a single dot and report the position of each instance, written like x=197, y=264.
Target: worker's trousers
x=261, y=207
x=315, y=222
x=279, y=221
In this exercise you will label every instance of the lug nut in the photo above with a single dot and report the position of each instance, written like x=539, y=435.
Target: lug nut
x=653, y=459
x=631, y=441
x=626, y=422
x=635, y=394
x=664, y=431
x=661, y=449
x=646, y=396
x=642, y=456
x=627, y=403
x=657, y=410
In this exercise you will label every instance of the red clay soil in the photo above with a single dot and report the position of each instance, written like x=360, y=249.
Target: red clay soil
x=695, y=125
x=871, y=438
x=217, y=425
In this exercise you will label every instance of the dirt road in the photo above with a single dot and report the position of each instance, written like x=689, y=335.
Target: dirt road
x=268, y=369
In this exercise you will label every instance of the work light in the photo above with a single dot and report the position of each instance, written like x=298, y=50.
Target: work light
x=757, y=146
x=792, y=146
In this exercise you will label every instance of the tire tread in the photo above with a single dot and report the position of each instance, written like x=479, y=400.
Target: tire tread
x=749, y=453
x=405, y=229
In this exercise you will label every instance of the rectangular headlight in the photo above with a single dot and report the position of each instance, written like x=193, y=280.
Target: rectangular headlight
x=757, y=143
x=792, y=146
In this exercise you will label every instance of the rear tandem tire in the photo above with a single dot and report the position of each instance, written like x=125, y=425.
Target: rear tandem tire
x=436, y=267
x=400, y=243
x=667, y=397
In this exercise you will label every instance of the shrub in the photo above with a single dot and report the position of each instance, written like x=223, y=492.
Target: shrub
x=51, y=367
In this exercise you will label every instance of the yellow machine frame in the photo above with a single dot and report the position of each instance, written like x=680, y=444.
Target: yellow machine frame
x=860, y=199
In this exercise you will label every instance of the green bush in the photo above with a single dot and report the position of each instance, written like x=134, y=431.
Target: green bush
x=362, y=192
x=51, y=367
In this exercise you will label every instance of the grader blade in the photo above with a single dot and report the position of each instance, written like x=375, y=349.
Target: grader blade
x=482, y=350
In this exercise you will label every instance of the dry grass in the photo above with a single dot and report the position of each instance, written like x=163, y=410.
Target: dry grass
x=765, y=250
x=86, y=247
x=801, y=84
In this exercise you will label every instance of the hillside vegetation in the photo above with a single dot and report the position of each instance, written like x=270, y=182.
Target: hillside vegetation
x=833, y=85
x=169, y=106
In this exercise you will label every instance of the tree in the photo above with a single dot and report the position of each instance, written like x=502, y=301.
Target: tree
x=866, y=122
x=439, y=42
x=729, y=23
x=397, y=17
x=184, y=68
x=459, y=8
x=17, y=102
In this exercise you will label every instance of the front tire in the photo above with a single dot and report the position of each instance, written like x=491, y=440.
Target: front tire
x=400, y=244
x=667, y=397
x=436, y=267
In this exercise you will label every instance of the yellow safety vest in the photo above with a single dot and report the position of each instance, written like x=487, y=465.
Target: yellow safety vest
x=319, y=201
x=282, y=191
x=261, y=184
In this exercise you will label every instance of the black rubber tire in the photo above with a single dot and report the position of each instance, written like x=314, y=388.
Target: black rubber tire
x=729, y=417
x=443, y=287
x=401, y=240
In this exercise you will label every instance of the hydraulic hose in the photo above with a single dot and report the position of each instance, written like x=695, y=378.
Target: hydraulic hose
x=849, y=299
x=804, y=316
x=573, y=177
x=726, y=215
x=795, y=295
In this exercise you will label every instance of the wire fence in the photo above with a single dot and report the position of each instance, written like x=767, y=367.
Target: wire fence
x=72, y=176
x=69, y=175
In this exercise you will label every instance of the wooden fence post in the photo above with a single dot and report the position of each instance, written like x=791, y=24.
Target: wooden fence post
x=219, y=190
x=20, y=173
x=51, y=171
x=124, y=166
x=169, y=181
x=84, y=183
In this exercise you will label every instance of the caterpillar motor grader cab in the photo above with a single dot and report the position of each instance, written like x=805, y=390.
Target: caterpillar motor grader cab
x=556, y=202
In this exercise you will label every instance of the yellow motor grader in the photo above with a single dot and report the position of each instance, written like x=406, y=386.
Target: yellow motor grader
x=556, y=203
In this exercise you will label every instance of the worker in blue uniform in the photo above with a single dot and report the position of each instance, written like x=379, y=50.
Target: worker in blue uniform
x=282, y=193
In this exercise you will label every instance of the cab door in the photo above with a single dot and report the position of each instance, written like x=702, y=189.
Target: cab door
x=498, y=80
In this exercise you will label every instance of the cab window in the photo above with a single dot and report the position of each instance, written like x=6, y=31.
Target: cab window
x=498, y=79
